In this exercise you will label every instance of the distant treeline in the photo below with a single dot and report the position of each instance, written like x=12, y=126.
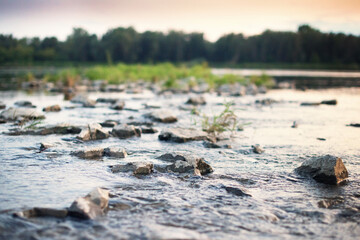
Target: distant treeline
x=307, y=45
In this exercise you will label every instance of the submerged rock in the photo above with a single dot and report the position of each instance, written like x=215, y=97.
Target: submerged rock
x=163, y=116
x=126, y=131
x=92, y=153
x=25, y=104
x=116, y=152
x=17, y=113
x=91, y=206
x=118, y=105
x=42, y=212
x=147, y=130
x=257, y=149
x=84, y=100
x=310, y=104
x=236, y=191
x=2, y=105
x=266, y=101
x=109, y=123
x=138, y=168
x=93, y=131
x=181, y=135
x=183, y=162
x=106, y=100
x=44, y=146
x=198, y=100
x=48, y=130
x=326, y=169
x=53, y=108
x=329, y=102
x=354, y=125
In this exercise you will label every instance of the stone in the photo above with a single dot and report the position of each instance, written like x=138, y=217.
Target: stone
x=126, y=131
x=354, y=125
x=93, y=131
x=2, y=105
x=198, y=100
x=48, y=130
x=53, y=108
x=18, y=113
x=25, y=104
x=92, y=153
x=181, y=135
x=236, y=191
x=329, y=102
x=42, y=212
x=109, y=123
x=138, y=168
x=106, y=100
x=118, y=105
x=265, y=102
x=153, y=105
x=295, y=124
x=116, y=152
x=84, y=100
x=163, y=116
x=219, y=144
x=257, y=149
x=252, y=89
x=91, y=206
x=149, y=130
x=44, y=146
x=330, y=203
x=183, y=162
x=327, y=169
x=310, y=104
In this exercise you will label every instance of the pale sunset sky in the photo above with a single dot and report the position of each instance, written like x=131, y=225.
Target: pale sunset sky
x=29, y=18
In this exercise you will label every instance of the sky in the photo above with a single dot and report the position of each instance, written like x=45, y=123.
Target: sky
x=30, y=18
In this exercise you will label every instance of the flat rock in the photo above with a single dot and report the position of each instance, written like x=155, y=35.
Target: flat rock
x=91, y=206
x=197, y=100
x=310, y=104
x=109, y=123
x=236, y=191
x=126, y=131
x=354, y=125
x=138, y=168
x=116, y=152
x=52, y=108
x=181, y=135
x=329, y=102
x=106, y=100
x=91, y=153
x=326, y=169
x=16, y=113
x=2, y=105
x=118, y=105
x=93, y=131
x=25, y=104
x=42, y=212
x=183, y=162
x=48, y=130
x=163, y=116
x=148, y=130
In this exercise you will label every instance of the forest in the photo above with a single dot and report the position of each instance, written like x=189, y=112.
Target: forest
x=126, y=45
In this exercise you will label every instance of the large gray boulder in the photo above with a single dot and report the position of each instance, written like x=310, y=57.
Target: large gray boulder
x=93, y=131
x=17, y=113
x=126, y=131
x=164, y=116
x=91, y=206
x=326, y=169
x=183, y=162
x=181, y=135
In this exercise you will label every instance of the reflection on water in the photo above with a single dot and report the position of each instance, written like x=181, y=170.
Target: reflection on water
x=164, y=205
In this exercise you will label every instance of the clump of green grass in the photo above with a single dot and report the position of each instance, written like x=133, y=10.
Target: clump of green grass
x=263, y=80
x=225, y=121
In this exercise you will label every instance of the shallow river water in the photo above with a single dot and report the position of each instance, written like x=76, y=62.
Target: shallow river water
x=282, y=205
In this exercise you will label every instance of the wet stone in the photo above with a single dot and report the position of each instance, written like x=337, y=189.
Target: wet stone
x=181, y=135
x=354, y=125
x=116, y=152
x=310, y=104
x=236, y=191
x=326, y=169
x=138, y=168
x=93, y=131
x=106, y=100
x=42, y=212
x=330, y=203
x=126, y=131
x=44, y=146
x=53, y=108
x=91, y=206
x=257, y=149
x=84, y=100
x=183, y=162
x=18, y=113
x=109, y=123
x=148, y=130
x=92, y=153
x=329, y=102
x=198, y=100
x=163, y=116
x=25, y=104
x=2, y=105
x=118, y=105
x=265, y=102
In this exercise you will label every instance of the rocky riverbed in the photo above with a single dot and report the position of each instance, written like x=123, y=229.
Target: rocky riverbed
x=143, y=165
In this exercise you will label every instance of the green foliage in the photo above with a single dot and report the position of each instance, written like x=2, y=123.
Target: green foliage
x=225, y=121
x=263, y=80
